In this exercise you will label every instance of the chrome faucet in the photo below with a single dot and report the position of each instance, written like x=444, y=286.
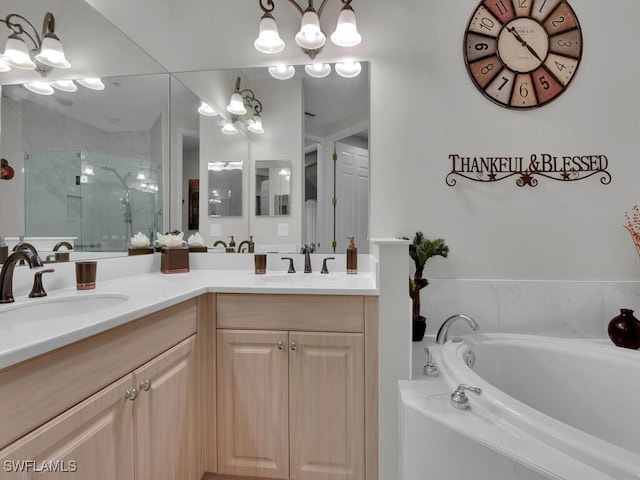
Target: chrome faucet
x=6, y=274
x=441, y=337
x=307, y=250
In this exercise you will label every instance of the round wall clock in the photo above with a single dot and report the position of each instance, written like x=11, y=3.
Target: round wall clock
x=522, y=54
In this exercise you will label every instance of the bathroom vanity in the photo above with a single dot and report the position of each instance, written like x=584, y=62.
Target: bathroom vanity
x=216, y=373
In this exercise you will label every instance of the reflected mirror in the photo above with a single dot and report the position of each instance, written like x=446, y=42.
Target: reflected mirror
x=92, y=159
x=305, y=120
x=225, y=189
x=273, y=187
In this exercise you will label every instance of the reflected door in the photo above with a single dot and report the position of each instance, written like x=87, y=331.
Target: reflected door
x=352, y=194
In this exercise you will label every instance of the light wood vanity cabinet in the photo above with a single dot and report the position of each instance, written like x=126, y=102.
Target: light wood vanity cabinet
x=291, y=380
x=141, y=426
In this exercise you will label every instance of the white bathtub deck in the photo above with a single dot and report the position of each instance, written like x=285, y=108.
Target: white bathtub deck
x=504, y=451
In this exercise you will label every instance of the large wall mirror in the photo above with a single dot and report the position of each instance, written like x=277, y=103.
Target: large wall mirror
x=305, y=120
x=101, y=166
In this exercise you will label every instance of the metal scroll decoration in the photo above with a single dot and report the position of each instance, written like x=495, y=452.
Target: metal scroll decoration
x=562, y=168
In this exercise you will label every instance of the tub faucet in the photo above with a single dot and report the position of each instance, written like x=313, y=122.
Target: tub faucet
x=441, y=337
x=6, y=274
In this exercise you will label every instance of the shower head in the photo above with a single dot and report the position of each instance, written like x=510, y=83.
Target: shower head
x=115, y=172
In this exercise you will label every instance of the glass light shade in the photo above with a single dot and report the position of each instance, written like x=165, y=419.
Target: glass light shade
x=4, y=66
x=41, y=88
x=318, y=70
x=310, y=36
x=141, y=175
x=206, y=110
x=256, y=125
x=92, y=83
x=88, y=169
x=65, y=85
x=282, y=72
x=236, y=105
x=346, y=34
x=348, y=69
x=268, y=40
x=229, y=129
x=16, y=54
x=52, y=53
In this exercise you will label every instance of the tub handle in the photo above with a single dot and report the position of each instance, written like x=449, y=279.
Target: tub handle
x=429, y=368
x=459, y=399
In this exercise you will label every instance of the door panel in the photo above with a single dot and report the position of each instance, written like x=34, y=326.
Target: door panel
x=253, y=407
x=327, y=406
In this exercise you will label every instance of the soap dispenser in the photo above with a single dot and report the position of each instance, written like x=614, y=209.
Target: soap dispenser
x=232, y=245
x=252, y=245
x=352, y=256
x=4, y=250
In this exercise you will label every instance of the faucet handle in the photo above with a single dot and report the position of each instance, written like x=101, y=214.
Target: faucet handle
x=429, y=368
x=324, y=264
x=291, y=268
x=459, y=399
x=38, y=289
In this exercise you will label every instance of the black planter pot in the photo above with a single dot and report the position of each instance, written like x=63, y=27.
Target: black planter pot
x=419, y=327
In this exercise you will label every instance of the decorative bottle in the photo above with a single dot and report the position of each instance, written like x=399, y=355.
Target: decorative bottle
x=352, y=256
x=624, y=329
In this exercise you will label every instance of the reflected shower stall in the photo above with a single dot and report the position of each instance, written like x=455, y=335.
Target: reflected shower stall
x=100, y=199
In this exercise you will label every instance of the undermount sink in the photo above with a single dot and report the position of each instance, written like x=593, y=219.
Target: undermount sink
x=61, y=307
x=300, y=280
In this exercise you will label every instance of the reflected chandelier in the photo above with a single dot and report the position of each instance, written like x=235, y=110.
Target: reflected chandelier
x=310, y=37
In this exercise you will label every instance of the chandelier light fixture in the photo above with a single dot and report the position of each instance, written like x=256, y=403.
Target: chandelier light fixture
x=44, y=53
x=47, y=51
x=310, y=37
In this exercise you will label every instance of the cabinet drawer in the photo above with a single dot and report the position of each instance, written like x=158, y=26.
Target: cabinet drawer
x=319, y=313
x=36, y=390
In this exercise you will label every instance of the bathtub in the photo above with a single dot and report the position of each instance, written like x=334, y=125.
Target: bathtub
x=549, y=408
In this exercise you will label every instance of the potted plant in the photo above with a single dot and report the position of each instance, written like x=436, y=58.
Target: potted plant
x=421, y=250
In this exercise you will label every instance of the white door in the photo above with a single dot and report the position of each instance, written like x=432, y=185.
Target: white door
x=352, y=196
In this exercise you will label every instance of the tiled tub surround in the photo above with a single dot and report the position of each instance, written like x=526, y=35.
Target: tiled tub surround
x=570, y=309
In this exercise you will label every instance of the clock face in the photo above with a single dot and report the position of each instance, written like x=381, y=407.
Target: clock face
x=522, y=53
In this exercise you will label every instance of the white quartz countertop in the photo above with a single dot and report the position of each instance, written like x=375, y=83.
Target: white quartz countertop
x=24, y=336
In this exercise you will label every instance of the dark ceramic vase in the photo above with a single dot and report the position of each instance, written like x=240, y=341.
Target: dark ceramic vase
x=419, y=327
x=624, y=329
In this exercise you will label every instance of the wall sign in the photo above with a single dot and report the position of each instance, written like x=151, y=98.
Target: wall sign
x=566, y=168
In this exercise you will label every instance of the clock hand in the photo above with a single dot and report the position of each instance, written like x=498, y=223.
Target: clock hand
x=517, y=35
x=524, y=43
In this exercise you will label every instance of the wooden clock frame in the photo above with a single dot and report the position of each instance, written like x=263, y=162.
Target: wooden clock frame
x=522, y=54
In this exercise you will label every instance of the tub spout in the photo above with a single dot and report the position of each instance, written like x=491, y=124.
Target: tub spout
x=441, y=338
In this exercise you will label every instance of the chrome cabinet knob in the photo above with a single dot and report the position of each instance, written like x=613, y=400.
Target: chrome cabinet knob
x=131, y=394
x=145, y=385
x=294, y=345
x=280, y=345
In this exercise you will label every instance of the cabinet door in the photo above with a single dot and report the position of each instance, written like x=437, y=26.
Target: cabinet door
x=164, y=415
x=326, y=398
x=253, y=426
x=92, y=440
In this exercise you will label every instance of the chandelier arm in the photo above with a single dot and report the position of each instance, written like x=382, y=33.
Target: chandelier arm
x=298, y=7
x=48, y=24
x=18, y=29
x=269, y=8
x=324, y=2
